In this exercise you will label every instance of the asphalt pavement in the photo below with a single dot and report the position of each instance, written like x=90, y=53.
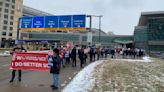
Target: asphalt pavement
x=33, y=81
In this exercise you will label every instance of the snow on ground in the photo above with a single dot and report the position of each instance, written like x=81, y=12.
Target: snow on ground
x=130, y=77
x=147, y=59
x=84, y=80
x=143, y=59
x=120, y=75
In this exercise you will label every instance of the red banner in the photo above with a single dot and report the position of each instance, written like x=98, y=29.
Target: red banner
x=29, y=61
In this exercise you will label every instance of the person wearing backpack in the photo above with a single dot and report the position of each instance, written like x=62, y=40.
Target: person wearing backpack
x=55, y=69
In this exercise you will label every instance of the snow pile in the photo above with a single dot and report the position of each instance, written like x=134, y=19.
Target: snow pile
x=84, y=81
x=146, y=59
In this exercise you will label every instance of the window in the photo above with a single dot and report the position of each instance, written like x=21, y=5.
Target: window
x=10, y=34
x=11, y=23
x=5, y=22
x=4, y=33
x=4, y=27
x=12, y=12
x=6, y=16
x=0, y=9
x=13, y=6
x=11, y=28
x=1, y=3
x=13, y=1
x=8, y=0
x=6, y=10
x=7, y=5
x=11, y=17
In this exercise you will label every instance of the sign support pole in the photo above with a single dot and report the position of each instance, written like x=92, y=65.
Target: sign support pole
x=18, y=28
x=90, y=29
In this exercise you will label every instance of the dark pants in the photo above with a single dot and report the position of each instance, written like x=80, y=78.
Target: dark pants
x=74, y=62
x=67, y=61
x=106, y=55
x=94, y=56
x=90, y=58
x=98, y=55
x=19, y=74
x=81, y=62
x=112, y=56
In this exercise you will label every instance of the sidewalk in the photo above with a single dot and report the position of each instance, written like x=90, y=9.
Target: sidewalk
x=39, y=81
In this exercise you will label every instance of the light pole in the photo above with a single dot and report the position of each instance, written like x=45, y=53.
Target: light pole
x=90, y=28
x=89, y=35
x=100, y=28
x=100, y=16
x=18, y=28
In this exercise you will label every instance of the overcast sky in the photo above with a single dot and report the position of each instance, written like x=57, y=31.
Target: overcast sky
x=119, y=16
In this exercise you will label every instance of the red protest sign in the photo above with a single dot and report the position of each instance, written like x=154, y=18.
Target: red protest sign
x=29, y=61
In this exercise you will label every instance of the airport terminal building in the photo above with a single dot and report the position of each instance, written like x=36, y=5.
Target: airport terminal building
x=149, y=34
x=62, y=37
x=77, y=37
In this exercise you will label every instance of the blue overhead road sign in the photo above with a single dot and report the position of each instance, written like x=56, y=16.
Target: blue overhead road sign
x=38, y=22
x=65, y=21
x=44, y=23
x=26, y=22
x=51, y=22
x=79, y=21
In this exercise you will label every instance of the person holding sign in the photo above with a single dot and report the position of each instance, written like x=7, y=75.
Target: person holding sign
x=18, y=48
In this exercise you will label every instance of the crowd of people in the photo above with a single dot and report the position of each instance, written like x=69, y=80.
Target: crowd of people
x=64, y=57
x=84, y=55
x=130, y=52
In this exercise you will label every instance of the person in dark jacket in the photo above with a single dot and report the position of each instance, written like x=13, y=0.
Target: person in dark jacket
x=112, y=53
x=81, y=56
x=18, y=48
x=91, y=54
x=73, y=56
x=55, y=69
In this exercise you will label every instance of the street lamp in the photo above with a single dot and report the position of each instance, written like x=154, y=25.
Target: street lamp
x=100, y=28
x=99, y=16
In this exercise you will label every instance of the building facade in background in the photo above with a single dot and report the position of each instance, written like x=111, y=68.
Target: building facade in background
x=150, y=31
x=10, y=12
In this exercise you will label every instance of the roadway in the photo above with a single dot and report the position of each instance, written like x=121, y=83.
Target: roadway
x=32, y=81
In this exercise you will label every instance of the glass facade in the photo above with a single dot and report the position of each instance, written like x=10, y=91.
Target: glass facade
x=156, y=33
x=156, y=29
x=141, y=37
x=107, y=40
x=61, y=37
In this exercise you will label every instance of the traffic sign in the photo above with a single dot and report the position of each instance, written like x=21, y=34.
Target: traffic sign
x=44, y=23
x=65, y=21
x=38, y=22
x=79, y=21
x=26, y=22
x=51, y=22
